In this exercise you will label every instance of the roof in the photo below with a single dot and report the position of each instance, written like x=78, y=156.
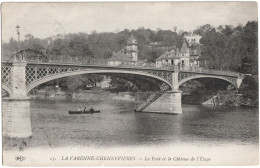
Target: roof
x=184, y=48
x=120, y=56
x=168, y=55
x=131, y=40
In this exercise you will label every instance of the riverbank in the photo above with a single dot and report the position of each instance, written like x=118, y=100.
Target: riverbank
x=221, y=98
x=93, y=95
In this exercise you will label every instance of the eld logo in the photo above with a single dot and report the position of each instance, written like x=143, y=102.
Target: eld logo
x=20, y=158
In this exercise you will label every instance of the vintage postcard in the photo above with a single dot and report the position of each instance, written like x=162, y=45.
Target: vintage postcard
x=130, y=84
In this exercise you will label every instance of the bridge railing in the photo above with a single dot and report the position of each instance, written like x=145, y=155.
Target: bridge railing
x=143, y=65
x=169, y=67
x=209, y=71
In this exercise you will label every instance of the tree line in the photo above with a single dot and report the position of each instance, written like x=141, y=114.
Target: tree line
x=225, y=47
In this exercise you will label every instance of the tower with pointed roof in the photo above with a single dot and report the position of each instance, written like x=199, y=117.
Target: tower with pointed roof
x=184, y=49
x=184, y=54
x=131, y=48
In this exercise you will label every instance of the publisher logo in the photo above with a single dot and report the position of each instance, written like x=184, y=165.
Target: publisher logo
x=20, y=158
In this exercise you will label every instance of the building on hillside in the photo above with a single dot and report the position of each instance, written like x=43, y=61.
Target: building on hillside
x=195, y=54
x=193, y=39
x=127, y=56
x=168, y=58
x=131, y=48
x=105, y=83
x=120, y=58
x=184, y=57
x=194, y=48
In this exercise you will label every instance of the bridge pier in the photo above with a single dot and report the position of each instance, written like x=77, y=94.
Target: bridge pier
x=16, y=108
x=169, y=102
x=16, y=118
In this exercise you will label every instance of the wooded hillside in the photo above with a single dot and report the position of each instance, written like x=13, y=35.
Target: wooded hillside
x=225, y=47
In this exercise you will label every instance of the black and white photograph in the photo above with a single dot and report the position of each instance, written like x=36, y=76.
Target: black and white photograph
x=130, y=83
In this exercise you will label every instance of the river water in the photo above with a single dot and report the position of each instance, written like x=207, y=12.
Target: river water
x=118, y=125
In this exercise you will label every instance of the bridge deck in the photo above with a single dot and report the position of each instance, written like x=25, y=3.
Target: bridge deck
x=197, y=70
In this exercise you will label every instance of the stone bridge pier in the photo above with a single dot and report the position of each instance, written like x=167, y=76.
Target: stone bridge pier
x=169, y=102
x=16, y=108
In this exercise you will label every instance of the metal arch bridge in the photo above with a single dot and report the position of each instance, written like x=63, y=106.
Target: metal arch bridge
x=22, y=73
x=38, y=73
x=39, y=69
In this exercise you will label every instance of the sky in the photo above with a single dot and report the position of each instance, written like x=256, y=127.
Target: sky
x=47, y=19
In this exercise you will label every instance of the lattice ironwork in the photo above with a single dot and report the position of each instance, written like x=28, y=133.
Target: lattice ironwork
x=7, y=75
x=183, y=75
x=153, y=97
x=38, y=71
x=164, y=87
x=162, y=74
x=29, y=55
x=35, y=72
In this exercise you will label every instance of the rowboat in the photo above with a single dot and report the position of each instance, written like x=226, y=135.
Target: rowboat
x=84, y=112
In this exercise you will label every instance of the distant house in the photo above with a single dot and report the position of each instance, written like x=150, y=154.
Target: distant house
x=105, y=83
x=184, y=57
x=120, y=58
x=127, y=56
x=193, y=38
x=194, y=48
x=195, y=54
x=168, y=58
x=131, y=48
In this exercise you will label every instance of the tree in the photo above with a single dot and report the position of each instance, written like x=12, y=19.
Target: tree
x=250, y=39
x=249, y=88
x=152, y=55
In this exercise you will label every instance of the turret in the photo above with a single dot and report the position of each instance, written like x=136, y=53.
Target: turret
x=131, y=48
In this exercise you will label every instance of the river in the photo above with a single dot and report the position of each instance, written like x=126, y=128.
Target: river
x=118, y=125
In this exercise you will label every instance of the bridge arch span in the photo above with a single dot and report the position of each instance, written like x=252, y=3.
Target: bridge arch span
x=87, y=71
x=203, y=76
x=7, y=89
